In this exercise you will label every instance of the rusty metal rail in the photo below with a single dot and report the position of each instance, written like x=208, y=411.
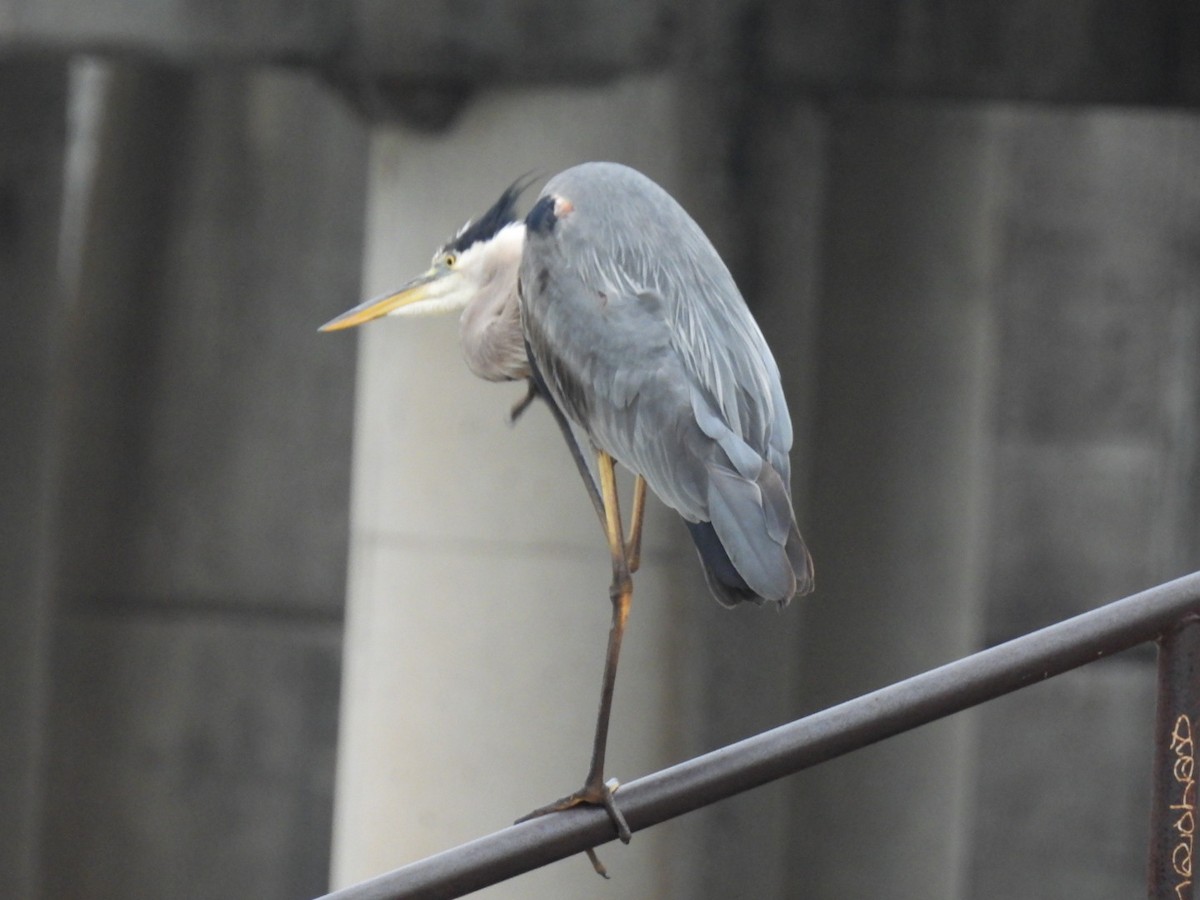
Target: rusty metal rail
x=1165, y=613
x=1173, y=821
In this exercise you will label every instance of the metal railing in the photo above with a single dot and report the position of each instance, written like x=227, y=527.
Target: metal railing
x=1169, y=613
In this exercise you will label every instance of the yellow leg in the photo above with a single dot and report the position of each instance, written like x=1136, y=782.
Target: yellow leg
x=633, y=547
x=612, y=515
x=621, y=594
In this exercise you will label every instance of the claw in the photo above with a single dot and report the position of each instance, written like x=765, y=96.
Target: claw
x=596, y=864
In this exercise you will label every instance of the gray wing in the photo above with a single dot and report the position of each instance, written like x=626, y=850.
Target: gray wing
x=644, y=341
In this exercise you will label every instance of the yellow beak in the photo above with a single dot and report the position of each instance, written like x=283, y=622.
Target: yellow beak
x=413, y=292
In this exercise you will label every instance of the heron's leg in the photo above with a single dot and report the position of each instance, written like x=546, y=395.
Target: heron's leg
x=621, y=593
x=633, y=546
x=576, y=454
x=518, y=410
x=594, y=790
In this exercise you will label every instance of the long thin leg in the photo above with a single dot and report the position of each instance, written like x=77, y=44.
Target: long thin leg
x=564, y=426
x=537, y=388
x=633, y=547
x=594, y=790
x=621, y=593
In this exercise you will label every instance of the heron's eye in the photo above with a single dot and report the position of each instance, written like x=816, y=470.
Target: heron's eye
x=449, y=260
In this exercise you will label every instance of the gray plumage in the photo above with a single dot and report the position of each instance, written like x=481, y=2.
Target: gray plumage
x=641, y=338
x=609, y=296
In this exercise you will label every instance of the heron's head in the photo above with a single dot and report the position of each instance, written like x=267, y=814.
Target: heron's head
x=480, y=260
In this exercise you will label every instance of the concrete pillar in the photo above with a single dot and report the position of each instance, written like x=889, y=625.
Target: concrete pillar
x=1097, y=459
x=478, y=596
x=33, y=105
x=899, y=486
x=202, y=528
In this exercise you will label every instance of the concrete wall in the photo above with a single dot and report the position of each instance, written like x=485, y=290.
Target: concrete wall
x=899, y=493
x=33, y=102
x=986, y=320
x=198, y=514
x=1094, y=486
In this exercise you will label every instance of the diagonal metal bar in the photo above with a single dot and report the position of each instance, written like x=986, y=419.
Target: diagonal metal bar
x=795, y=746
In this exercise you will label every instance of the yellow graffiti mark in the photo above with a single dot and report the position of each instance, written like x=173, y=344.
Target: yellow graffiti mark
x=1184, y=771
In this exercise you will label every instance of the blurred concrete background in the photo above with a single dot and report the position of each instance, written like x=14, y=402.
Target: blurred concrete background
x=280, y=610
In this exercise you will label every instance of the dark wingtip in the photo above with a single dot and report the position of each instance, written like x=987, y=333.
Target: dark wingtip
x=726, y=582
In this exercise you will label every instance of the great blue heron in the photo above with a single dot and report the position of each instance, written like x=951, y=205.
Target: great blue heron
x=614, y=305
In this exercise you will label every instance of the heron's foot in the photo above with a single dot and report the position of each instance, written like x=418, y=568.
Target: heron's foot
x=598, y=795
x=601, y=795
x=524, y=403
x=593, y=795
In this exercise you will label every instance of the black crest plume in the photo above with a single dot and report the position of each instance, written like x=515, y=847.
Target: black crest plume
x=487, y=226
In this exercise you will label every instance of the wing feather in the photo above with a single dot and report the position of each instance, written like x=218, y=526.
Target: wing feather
x=643, y=339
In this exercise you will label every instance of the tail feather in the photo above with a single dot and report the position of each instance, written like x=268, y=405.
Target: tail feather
x=751, y=549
